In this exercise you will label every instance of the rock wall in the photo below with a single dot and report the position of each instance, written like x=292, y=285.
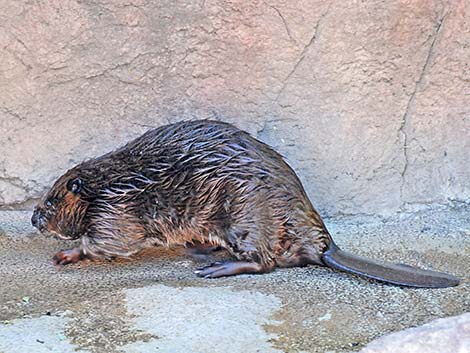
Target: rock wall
x=368, y=100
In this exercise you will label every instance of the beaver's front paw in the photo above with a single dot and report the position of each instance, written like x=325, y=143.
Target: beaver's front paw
x=66, y=257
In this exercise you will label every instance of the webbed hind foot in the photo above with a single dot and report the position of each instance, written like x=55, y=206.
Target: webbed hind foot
x=231, y=268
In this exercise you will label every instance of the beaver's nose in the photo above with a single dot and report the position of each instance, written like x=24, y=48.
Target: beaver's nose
x=35, y=219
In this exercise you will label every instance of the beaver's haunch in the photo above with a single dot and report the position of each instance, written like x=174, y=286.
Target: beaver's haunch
x=205, y=182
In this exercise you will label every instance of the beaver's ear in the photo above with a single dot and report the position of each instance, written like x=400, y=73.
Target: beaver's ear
x=75, y=185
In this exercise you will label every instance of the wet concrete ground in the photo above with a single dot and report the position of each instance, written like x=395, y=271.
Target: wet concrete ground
x=154, y=302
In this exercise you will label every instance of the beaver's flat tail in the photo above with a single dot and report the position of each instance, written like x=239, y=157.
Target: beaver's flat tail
x=398, y=274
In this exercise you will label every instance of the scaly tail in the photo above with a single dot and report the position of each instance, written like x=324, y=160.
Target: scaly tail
x=398, y=274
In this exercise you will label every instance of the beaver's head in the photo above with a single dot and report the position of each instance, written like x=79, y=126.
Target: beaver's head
x=61, y=211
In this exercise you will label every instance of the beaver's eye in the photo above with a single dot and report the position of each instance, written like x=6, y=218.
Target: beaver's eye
x=48, y=204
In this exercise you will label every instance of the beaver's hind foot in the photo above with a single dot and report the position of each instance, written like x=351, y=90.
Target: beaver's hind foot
x=231, y=268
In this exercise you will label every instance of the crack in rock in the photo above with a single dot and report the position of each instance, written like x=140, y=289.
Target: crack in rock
x=304, y=52
x=105, y=71
x=411, y=102
x=12, y=113
x=289, y=33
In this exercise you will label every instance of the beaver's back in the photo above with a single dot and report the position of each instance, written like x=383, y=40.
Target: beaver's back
x=188, y=154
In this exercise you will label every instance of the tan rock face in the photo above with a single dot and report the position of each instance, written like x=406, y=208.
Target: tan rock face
x=369, y=101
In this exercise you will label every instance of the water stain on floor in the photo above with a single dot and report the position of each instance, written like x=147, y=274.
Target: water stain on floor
x=195, y=319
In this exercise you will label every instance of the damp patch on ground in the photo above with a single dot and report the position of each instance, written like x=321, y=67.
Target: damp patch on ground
x=206, y=320
x=38, y=335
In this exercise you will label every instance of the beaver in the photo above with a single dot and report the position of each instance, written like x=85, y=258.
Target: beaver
x=202, y=182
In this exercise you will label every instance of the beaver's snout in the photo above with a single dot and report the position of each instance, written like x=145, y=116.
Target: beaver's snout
x=37, y=221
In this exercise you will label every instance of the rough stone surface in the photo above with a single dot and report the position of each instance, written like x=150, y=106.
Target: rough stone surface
x=449, y=335
x=368, y=100
x=131, y=305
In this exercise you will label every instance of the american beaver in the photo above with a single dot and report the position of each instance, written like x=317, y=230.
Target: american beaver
x=201, y=182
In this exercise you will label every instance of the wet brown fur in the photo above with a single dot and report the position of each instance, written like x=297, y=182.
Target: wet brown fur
x=190, y=182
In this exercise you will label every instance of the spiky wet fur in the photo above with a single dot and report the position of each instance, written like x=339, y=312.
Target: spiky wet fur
x=194, y=181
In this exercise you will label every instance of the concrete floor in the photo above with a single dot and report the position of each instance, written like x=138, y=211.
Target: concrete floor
x=154, y=302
